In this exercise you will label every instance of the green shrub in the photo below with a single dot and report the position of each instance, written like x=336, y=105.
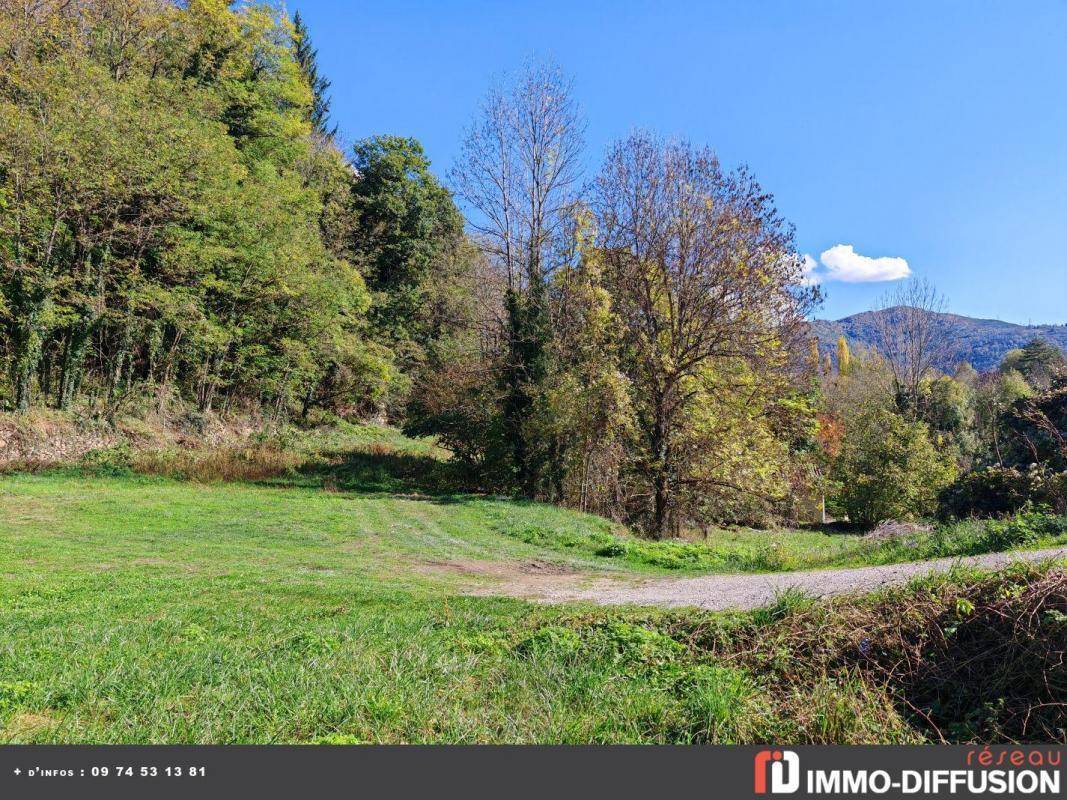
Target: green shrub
x=612, y=549
x=1026, y=529
x=889, y=469
x=997, y=491
x=636, y=644
x=112, y=461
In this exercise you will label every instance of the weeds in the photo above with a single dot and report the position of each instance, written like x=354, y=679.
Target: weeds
x=974, y=658
x=248, y=463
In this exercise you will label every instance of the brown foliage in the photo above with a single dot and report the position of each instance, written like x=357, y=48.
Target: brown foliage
x=830, y=435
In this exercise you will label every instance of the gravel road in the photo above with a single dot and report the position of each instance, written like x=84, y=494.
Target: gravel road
x=721, y=592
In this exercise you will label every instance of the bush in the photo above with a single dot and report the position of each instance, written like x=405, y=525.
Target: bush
x=991, y=492
x=111, y=461
x=1026, y=529
x=889, y=469
x=999, y=491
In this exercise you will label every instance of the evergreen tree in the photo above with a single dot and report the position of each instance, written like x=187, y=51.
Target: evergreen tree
x=405, y=226
x=1041, y=362
x=307, y=57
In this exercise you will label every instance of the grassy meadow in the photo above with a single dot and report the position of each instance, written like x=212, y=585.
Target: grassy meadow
x=270, y=601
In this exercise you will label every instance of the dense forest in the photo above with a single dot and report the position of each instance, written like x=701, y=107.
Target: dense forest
x=182, y=232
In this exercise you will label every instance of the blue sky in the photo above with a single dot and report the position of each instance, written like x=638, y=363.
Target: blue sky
x=933, y=132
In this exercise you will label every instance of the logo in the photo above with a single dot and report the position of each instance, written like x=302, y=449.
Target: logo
x=784, y=769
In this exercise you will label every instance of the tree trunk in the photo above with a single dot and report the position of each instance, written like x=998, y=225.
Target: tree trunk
x=661, y=519
x=661, y=484
x=26, y=343
x=23, y=379
x=73, y=355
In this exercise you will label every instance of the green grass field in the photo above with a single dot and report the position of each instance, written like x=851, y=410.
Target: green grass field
x=146, y=609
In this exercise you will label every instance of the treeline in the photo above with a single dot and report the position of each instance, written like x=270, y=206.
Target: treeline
x=183, y=233
x=176, y=220
x=899, y=439
x=181, y=229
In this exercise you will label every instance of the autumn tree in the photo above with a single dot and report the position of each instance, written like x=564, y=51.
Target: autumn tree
x=844, y=356
x=912, y=335
x=708, y=288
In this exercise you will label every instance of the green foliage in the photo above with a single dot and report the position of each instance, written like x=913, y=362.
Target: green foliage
x=948, y=406
x=169, y=205
x=1035, y=428
x=554, y=638
x=996, y=491
x=583, y=421
x=405, y=228
x=1024, y=530
x=889, y=469
x=1040, y=362
x=307, y=59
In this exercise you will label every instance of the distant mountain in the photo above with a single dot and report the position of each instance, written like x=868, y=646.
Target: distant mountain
x=982, y=342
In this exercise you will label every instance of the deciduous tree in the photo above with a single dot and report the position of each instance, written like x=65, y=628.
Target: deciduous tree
x=707, y=284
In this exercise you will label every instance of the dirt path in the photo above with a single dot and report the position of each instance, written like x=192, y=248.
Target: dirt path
x=720, y=592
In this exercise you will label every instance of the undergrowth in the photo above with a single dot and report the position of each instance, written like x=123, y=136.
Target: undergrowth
x=969, y=657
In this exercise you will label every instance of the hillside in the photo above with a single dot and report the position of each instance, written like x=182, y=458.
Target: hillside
x=982, y=342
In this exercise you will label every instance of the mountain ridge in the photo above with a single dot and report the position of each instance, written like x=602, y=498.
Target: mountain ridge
x=981, y=342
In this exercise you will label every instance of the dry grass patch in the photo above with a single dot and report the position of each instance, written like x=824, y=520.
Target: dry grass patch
x=26, y=725
x=224, y=464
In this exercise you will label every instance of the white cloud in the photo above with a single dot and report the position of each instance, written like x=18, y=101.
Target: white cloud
x=810, y=278
x=844, y=264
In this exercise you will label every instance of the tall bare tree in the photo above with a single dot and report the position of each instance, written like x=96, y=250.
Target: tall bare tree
x=518, y=177
x=704, y=271
x=912, y=335
x=518, y=173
